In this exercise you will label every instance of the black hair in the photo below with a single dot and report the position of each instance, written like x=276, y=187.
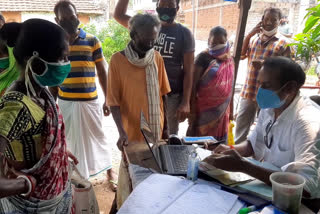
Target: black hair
x=218, y=31
x=142, y=22
x=44, y=37
x=273, y=10
x=287, y=69
x=10, y=32
x=63, y=4
x=203, y=60
x=177, y=1
x=2, y=18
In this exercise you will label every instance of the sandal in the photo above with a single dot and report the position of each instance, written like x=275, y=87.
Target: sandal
x=113, y=185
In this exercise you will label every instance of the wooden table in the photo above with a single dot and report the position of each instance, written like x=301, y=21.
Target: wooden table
x=139, y=154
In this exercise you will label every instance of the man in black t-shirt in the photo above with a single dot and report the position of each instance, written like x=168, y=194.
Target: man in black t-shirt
x=176, y=45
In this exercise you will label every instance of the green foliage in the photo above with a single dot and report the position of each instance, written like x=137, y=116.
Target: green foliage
x=308, y=43
x=312, y=71
x=113, y=36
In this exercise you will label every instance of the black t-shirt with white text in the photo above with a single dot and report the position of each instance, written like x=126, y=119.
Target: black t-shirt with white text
x=173, y=42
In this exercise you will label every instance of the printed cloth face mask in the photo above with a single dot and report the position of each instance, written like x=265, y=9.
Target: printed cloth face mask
x=53, y=75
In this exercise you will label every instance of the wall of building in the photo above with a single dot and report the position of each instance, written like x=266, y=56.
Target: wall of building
x=145, y=5
x=23, y=16
x=84, y=19
x=210, y=13
x=39, y=15
x=12, y=16
x=289, y=9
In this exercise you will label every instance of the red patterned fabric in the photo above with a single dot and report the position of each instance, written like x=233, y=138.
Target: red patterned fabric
x=52, y=176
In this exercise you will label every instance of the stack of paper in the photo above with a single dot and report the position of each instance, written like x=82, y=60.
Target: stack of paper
x=171, y=195
x=259, y=188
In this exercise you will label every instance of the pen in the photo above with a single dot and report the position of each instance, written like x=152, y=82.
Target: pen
x=247, y=210
x=252, y=208
x=208, y=145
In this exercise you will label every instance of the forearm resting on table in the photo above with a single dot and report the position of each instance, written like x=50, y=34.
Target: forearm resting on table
x=257, y=172
x=116, y=114
x=245, y=149
x=262, y=174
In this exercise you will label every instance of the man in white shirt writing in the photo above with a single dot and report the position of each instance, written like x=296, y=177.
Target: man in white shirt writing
x=287, y=133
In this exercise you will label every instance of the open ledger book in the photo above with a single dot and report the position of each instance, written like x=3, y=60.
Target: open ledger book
x=225, y=177
x=238, y=179
x=229, y=178
x=164, y=194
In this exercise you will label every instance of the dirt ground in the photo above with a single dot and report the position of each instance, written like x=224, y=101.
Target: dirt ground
x=105, y=197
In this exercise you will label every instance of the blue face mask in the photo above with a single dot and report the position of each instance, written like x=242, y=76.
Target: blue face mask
x=4, y=62
x=269, y=99
x=54, y=74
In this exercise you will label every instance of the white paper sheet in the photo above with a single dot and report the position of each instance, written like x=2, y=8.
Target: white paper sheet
x=203, y=153
x=168, y=194
x=202, y=199
x=237, y=206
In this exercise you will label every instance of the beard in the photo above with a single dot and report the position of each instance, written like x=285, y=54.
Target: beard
x=70, y=26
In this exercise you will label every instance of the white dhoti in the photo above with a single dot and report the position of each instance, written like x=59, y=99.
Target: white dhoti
x=85, y=135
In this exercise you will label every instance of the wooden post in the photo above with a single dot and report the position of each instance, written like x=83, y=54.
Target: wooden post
x=245, y=6
x=193, y=17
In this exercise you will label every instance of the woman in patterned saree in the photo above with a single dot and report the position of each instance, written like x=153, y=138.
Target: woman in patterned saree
x=212, y=88
x=34, y=170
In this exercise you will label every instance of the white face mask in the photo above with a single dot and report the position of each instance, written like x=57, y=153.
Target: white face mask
x=218, y=47
x=270, y=33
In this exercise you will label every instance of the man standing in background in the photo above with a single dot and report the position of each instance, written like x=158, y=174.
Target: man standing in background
x=78, y=98
x=285, y=29
x=176, y=45
x=262, y=42
x=137, y=82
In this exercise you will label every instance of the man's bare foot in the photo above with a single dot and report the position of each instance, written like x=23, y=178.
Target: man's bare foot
x=112, y=179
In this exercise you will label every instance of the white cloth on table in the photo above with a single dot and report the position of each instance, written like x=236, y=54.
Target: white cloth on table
x=296, y=141
x=85, y=135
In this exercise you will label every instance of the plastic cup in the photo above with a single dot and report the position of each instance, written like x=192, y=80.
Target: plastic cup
x=287, y=191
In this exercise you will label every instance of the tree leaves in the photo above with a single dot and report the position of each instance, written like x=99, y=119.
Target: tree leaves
x=113, y=36
x=308, y=43
x=310, y=23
